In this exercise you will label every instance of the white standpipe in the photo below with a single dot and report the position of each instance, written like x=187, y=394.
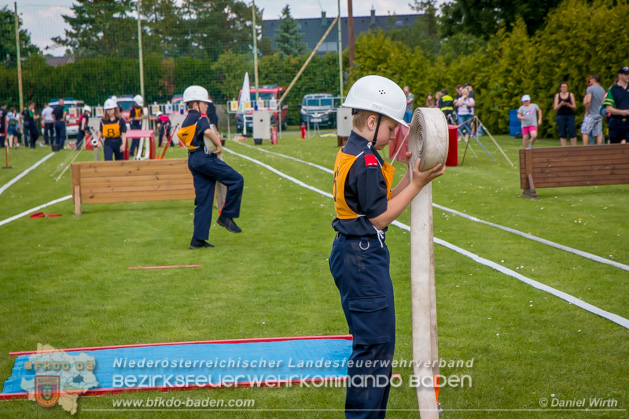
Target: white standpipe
x=428, y=139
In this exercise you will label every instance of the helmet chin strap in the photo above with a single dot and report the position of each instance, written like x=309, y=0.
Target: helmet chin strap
x=375, y=135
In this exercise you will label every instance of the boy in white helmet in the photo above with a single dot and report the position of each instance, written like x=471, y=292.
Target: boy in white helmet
x=365, y=205
x=204, y=146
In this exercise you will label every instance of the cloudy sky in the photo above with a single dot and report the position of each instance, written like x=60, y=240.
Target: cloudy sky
x=42, y=18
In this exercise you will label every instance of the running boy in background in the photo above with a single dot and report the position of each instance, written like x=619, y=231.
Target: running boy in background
x=163, y=125
x=365, y=205
x=530, y=116
x=114, y=130
x=204, y=146
x=135, y=122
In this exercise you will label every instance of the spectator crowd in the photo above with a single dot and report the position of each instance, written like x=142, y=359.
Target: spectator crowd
x=611, y=105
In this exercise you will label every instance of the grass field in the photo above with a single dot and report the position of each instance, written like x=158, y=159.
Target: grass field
x=65, y=282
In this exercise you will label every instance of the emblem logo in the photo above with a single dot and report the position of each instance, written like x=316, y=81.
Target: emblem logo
x=47, y=389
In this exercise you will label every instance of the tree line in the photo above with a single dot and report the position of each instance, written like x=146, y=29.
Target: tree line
x=574, y=40
x=526, y=47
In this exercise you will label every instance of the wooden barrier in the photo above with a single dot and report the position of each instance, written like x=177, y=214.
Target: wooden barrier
x=554, y=167
x=130, y=181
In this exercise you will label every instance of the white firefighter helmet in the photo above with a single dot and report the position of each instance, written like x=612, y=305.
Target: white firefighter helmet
x=158, y=114
x=87, y=108
x=138, y=99
x=196, y=94
x=378, y=94
x=110, y=104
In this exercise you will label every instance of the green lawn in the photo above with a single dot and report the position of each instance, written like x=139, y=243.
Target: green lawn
x=65, y=282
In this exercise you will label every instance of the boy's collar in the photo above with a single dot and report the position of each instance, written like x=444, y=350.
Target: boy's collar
x=358, y=139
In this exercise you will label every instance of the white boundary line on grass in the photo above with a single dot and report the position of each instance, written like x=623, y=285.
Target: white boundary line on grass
x=47, y=204
x=578, y=252
x=325, y=169
x=560, y=294
x=24, y=173
x=538, y=239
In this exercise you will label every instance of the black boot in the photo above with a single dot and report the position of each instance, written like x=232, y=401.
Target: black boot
x=229, y=224
x=199, y=244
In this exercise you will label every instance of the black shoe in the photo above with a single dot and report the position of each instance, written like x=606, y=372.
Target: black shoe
x=199, y=244
x=229, y=224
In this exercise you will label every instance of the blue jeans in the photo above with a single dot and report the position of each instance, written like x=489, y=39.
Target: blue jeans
x=464, y=122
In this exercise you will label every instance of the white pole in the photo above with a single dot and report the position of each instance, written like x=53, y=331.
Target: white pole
x=140, y=55
x=340, y=47
x=19, y=61
x=428, y=139
x=255, y=48
x=422, y=274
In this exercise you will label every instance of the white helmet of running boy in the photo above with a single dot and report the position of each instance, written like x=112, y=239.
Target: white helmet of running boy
x=378, y=94
x=87, y=108
x=138, y=99
x=110, y=104
x=196, y=94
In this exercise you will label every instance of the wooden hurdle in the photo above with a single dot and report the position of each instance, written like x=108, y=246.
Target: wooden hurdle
x=554, y=167
x=130, y=181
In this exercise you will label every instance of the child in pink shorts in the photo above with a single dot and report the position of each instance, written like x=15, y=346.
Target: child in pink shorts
x=530, y=116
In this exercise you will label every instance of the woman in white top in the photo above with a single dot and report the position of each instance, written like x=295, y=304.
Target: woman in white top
x=465, y=113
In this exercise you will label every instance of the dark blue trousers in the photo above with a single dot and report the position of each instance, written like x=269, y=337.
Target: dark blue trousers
x=49, y=132
x=112, y=149
x=164, y=129
x=206, y=170
x=360, y=267
x=60, y=132
x=135, y=142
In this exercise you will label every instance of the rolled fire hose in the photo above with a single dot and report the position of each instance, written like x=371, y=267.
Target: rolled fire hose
x=428, y=140
x=221, y=190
